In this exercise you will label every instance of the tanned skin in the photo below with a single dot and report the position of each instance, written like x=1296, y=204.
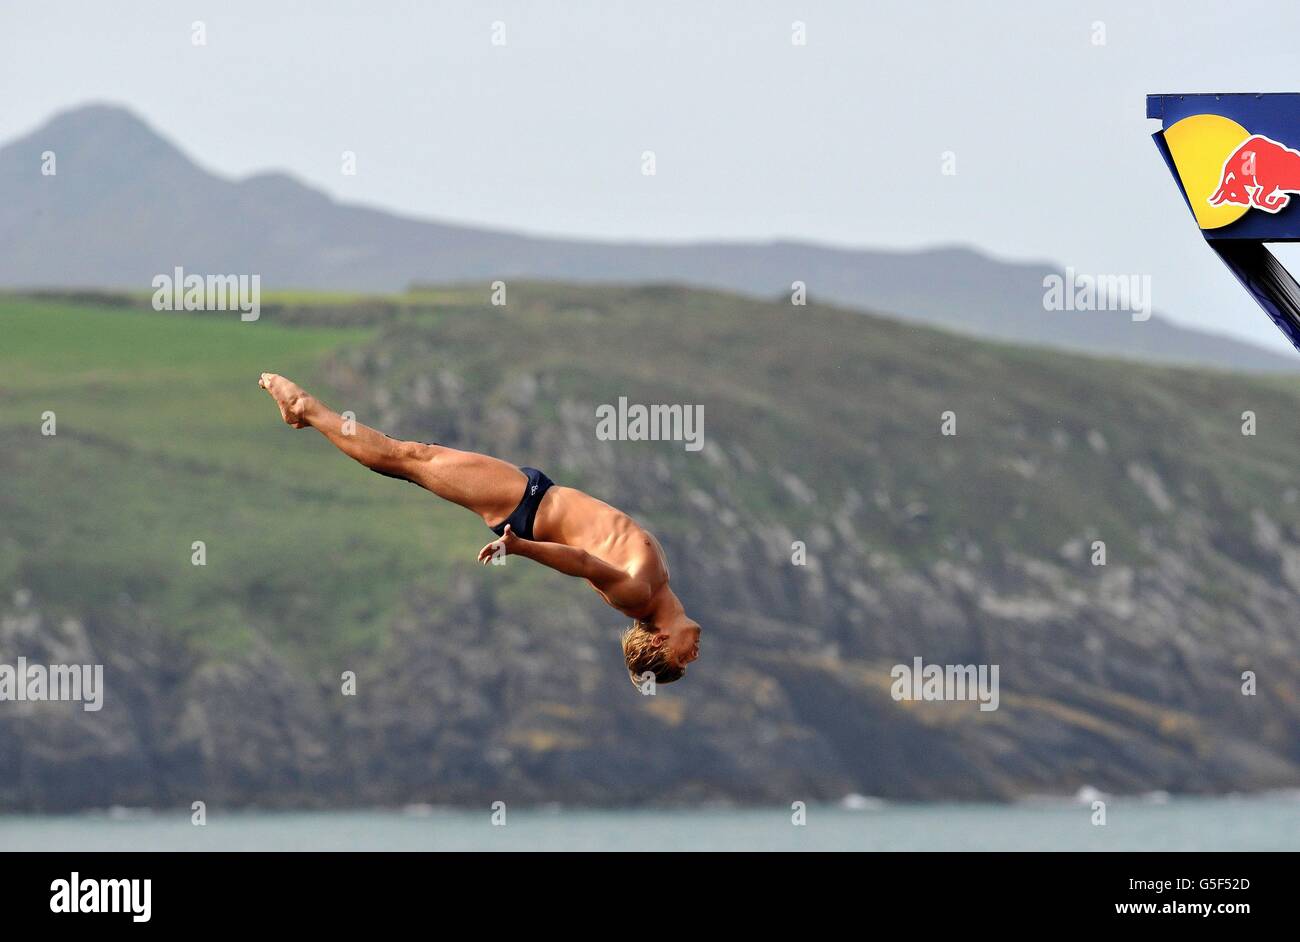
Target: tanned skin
x=574, y=533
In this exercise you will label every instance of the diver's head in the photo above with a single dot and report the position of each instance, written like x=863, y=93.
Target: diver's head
x=663, y=650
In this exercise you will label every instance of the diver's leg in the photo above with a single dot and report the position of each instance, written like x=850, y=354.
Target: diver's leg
x=488, y=486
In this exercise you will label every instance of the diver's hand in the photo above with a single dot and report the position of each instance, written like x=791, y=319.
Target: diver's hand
x=499, y=548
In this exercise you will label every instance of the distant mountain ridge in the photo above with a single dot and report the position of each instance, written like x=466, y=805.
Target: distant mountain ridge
x=127, y=204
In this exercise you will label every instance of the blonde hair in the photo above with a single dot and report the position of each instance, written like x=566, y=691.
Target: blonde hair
x=642, y=654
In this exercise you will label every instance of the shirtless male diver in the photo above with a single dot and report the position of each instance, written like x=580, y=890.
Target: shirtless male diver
x=560, y=527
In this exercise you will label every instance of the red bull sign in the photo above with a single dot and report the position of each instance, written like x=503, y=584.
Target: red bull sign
x=1236, y=160
x=1260, y=173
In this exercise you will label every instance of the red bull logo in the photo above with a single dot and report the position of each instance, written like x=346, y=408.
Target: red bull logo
x=1224, y=151
x=1261, y=173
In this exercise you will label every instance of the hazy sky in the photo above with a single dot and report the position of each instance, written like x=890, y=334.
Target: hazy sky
x=838, y=141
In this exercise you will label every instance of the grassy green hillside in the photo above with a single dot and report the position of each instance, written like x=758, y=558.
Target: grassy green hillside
x=822, y=426
x=163, y=438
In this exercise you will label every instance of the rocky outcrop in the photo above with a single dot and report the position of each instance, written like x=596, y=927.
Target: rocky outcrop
x=825, y=533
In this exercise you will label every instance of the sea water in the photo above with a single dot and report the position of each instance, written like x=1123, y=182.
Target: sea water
x=1267, y=822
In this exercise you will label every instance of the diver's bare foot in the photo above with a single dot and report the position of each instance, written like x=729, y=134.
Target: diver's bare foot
x=292, y=399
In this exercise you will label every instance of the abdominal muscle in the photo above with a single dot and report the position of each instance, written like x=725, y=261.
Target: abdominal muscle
x=569, y=516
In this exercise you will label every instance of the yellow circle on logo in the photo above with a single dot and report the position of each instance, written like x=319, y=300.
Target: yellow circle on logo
x=1201, y=144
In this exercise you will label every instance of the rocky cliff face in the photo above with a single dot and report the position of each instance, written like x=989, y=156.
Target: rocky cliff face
x=827, y=531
